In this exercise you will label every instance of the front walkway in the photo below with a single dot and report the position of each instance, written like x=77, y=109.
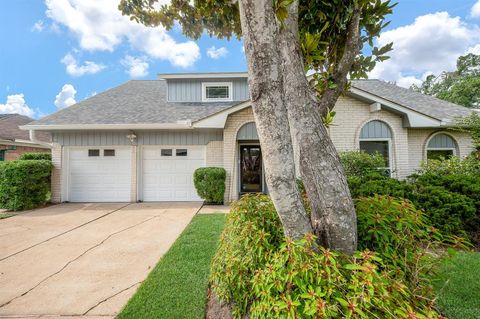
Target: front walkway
x=83, y=259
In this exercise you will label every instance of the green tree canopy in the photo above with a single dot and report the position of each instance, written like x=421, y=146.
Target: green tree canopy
x=461, y=86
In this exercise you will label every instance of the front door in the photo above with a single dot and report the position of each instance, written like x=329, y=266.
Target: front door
x=251, y=174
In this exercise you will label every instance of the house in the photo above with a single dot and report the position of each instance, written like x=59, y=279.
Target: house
x=141, y=141
x=14, y=141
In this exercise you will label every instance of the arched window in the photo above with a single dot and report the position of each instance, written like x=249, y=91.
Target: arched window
x=376, y=137
x=441, y=146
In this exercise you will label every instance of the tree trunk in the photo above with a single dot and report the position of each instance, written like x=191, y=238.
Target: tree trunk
x=333, y=215
x=260, y=30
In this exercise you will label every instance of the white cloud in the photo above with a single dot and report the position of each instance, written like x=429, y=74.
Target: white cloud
x=431, y=44
x=74, y=69
x=66, y=97
x=38, y=26
x=475, y=11
x=99, y=25
x=16, y=104
x=215, y=53
x=137, y=67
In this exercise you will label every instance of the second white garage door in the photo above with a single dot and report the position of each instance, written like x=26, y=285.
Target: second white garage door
x=168, y=172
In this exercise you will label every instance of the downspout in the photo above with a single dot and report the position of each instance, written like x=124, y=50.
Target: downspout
x=33, y=138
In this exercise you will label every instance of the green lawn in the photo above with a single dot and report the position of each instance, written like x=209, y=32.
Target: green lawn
x=177, y=286
x=458, y=287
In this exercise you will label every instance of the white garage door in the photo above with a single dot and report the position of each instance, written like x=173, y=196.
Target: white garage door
x=99, y=174
x=168, y=172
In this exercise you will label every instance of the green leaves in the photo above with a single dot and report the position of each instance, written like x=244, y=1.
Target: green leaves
x=281, y=9
x=210, y=183
x=24, y=184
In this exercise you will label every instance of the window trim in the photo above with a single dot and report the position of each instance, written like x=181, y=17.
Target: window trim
x=454, y=149
x=207, y=84
x=390, y=158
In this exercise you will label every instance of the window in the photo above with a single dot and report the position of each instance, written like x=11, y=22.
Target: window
x=181, y=152
x=216, y=91
x=376, y=138
x=441, y=146
x=93, y=153
x=108, y=152
x=2, y=155
x=166, y=152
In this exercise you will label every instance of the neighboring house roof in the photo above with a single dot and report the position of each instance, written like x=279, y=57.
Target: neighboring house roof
x=135, y=102
x=10, y=131
x=425, y=104
x=143, y=104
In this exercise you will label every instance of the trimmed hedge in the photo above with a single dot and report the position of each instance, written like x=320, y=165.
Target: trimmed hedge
x=24, y=184
x=36, y=156
x=210, y=184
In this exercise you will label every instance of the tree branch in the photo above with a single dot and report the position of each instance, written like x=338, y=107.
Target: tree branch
x=351, y=50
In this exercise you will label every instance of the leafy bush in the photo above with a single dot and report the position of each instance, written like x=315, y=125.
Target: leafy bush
x=359, y=163
x=446, y=210
x=210, y=184
x=262, y=274
x=36, y=156
x=24, y=184
x=451, y=166
x=403, y=236
x=377, y=184
x=305, y=281
x=252, y=233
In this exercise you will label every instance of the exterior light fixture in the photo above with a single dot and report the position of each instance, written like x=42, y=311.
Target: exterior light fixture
x=132, y=137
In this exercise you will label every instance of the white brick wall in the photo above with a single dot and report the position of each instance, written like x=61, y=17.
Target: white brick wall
x=56, y=187
x=418, y=139
x=215, y=154
x=230, y=150
x=352, y=115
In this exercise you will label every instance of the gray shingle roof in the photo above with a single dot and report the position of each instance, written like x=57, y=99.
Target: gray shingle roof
x=422, y=103
x=145, y=102
x=135, y=102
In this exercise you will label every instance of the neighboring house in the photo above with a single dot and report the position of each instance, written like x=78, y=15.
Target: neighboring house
x=14, y=141
x=142, y=140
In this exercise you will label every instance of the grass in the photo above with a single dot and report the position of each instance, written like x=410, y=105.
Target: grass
x=177, y=286
x=5, y=215
x=458, y=286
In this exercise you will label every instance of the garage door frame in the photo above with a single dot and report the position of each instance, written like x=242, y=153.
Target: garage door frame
x=66, y=172
x=140, y=152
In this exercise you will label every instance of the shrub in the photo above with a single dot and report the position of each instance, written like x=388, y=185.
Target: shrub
x=35, y=156
x=446, y=210
x=264, y=275
x=359, y=163
x=252, y=233
x=302, y=280
x=450, y=166
x=210, y=184
x=377, y=184
x=24, y=184
x=402, y=235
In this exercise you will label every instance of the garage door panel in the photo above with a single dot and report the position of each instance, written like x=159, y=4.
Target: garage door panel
x=99, y=178
x=174, y=174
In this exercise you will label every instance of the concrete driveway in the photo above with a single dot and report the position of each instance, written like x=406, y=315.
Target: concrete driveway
x=83, y=260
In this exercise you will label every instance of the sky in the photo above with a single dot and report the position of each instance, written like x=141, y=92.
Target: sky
x=54, y=53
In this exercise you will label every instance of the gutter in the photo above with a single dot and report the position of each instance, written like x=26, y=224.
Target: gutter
x=180, y=125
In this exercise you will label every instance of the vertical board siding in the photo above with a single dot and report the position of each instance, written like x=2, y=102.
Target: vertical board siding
x=190, y=90
x=104, y=138
x=248, y=132
x=375, y=129
x=442, y=141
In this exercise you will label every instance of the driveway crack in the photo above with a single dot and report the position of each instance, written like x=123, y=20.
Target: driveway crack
x=110, y=297
x=63, y=233
x=77, y=258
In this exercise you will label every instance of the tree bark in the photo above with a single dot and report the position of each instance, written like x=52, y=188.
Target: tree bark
x=333, y=217
x=260, y=30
